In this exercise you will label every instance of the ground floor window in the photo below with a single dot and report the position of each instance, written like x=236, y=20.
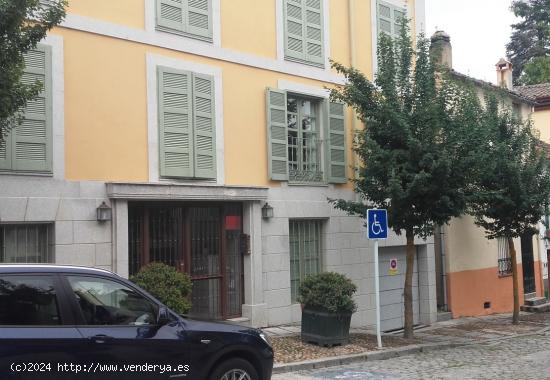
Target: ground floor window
x=26, y=243
x=504, y=259
x=305, y=251
x=200, y=239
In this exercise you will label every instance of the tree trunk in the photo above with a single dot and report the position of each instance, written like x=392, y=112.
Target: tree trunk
x=515, y=315
x=408, y=297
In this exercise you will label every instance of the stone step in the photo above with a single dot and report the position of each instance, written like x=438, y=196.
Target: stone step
x=444, y=316
x=536, y=309
x=527, y=296
x=535, y=301
x=241, y=321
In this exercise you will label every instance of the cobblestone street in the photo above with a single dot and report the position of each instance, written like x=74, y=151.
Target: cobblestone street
x=524, y=357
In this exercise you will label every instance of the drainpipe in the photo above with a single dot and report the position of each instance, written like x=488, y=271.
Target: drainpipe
x=353, y=63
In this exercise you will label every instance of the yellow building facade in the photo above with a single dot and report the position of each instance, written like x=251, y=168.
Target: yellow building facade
x=204, y=128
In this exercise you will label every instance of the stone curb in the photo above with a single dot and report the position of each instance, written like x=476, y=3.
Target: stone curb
x=367, y=356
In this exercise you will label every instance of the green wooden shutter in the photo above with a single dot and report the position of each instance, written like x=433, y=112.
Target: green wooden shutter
x=294, y=29
x=277, y=135
x=5, y=152
x=198, y=18
x=175, y=123
x=32, y=140
x=336, y=143
x=314, y=32
x=170, y=14
x=204, y=126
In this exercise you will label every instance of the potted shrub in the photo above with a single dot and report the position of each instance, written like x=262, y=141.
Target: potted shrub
x=168, y=285
x=327, y=306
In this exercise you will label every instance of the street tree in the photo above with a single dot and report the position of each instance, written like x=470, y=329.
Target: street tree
x=23, y=23
x=531, y=36
x=415, y=151
x=513, y=184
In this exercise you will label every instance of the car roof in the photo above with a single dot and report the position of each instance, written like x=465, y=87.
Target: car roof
x=52, y=268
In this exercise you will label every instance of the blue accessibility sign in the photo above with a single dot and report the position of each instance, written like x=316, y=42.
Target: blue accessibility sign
x=377, y=223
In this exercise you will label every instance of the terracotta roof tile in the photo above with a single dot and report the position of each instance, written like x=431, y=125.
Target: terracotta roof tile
x=534, y=91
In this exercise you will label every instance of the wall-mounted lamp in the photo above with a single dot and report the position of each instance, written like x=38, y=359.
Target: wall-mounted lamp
x=104, y=213
x=267, y=211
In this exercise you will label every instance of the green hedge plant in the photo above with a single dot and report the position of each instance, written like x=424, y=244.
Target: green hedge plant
x=168, y=285
x=328, y=291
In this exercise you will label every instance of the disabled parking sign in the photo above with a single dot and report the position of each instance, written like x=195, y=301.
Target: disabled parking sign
x=377, y=222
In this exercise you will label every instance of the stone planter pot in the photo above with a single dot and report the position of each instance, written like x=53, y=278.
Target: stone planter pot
x=325, y=328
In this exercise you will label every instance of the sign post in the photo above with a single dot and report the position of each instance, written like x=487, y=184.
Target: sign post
x=377, y=223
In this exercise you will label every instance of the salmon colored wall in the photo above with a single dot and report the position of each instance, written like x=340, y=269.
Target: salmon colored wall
x=106, y=88
x=468, y=290
x=106, y=111
x=129, y=13
x=105, y=108
x=256, y=34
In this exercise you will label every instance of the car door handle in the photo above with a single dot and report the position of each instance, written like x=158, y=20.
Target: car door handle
x=101, y=338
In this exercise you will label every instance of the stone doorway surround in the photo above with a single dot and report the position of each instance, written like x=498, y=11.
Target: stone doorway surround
x=254, y=308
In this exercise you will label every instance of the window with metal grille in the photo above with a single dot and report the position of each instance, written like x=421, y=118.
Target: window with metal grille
x=504, y=259
x=305, y=251
x=304, y=144
x=27, y=243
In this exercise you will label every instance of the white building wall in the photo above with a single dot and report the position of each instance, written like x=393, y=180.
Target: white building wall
x=346, y=250
x=71, y=206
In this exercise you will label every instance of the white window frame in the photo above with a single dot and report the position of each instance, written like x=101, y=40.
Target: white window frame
x=153, y=62
x=151, y=23
x=280, y=26
x=322, y=95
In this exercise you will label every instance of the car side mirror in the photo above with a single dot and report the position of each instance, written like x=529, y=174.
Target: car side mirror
x=163, y=317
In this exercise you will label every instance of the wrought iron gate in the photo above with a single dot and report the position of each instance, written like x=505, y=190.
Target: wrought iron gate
x=201, y=240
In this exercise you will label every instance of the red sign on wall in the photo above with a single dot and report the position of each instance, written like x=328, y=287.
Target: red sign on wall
x=233, y=222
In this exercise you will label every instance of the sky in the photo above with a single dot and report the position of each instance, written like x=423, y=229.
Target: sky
x=479, y=31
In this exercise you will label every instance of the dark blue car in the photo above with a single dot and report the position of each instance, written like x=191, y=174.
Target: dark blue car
x=66, y=322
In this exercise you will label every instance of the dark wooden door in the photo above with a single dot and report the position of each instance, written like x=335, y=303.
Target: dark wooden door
x=528, y=264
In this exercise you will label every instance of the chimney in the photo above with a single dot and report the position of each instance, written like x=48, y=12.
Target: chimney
x=441, y=49
x=504, y=74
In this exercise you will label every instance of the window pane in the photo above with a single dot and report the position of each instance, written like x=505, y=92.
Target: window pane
x=304, y=144
x=26, y=243
x=28, y=301
x=106, y=302
x=305, y=252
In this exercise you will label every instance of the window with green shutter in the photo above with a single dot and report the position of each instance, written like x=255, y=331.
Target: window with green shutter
x=389, y=16
x=28, y=147
x=306, y=138
x=191, y=18
x=303, y=25
x=187, y=133
x=305, y=251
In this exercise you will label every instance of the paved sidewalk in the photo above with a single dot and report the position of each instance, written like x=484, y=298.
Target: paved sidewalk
x=440, y=335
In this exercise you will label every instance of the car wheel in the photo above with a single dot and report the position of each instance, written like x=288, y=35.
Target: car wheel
x=235, y=369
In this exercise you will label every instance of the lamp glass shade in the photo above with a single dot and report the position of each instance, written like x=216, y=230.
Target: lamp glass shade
x=104, y=213
x=267, y=211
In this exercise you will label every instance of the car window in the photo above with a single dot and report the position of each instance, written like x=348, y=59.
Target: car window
x=28, y=300
x=106, y=302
